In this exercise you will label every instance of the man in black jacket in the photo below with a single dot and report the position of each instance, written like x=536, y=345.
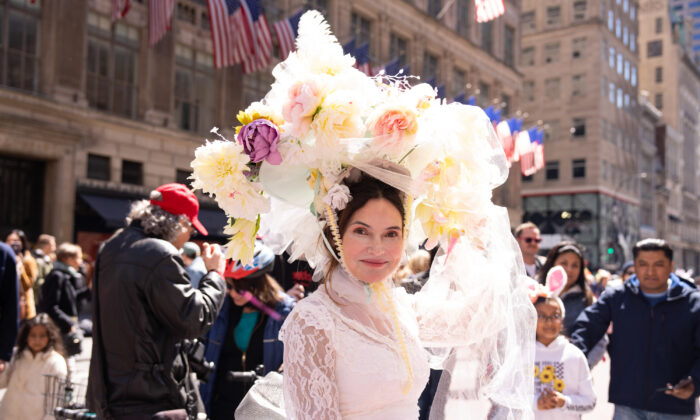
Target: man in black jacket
x=144, y=305
x=9, y=304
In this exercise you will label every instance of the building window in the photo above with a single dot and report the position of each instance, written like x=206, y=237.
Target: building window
x=633, y=76
x=509, y=46
x=527, y=20
x=604, y=170
x=552, y=170
x=619, y=98
x=182, y=175
x=505, y=105
x=633, y=12
x=578, y=167
x=398, y=48
x=579, y=10
x=487, y=36
x=430, y=66
x=434, y=7
x=611, y=97
x=627, y=70
x=551, y=88
x=604, y=129
x=527, y=56
x=611, y=61
x=578, y=85
x=659, y=74
x=611, y=20
x=619, y=63
x=459, y=81
x=604, y=85
x=658, y=25
x=484, y=94
x=186, y=13
x=551, y=131
x=98, y=167
x=527, y=178
x=195, y=89
x=111, y=65
x=361, y=28
x=659, y=101
x=463, y=23
x=132, y=172
x=553, y=15
x=578, y=127
x=578, y=47
x=633, y=42
x=19, y=45
x=625, y=36
x=618, y=28
x=625, y=5
x=654, y=48
x=551, y=53
x=529, y=90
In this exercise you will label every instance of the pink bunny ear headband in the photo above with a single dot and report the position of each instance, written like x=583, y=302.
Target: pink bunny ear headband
x=554, y=284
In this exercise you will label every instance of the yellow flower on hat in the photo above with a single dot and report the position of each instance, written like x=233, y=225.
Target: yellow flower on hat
x=546, y=376
x=558, y=385
x=549, y=368
x=257, y=111
x=241, y=246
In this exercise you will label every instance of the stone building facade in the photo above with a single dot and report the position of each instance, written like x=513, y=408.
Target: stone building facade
x=580, y=61
x=93, y=117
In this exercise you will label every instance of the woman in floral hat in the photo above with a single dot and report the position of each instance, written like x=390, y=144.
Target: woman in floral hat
x=346, y=172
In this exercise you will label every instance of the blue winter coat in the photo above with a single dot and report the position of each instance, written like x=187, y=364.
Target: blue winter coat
x=273, y=348
x=649, y=346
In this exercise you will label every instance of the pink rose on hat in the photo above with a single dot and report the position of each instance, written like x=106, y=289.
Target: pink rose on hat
x=259, y=140
x=303, y=101
x=394, y=129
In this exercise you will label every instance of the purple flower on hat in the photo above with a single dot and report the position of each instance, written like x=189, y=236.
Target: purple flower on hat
x=259, y=139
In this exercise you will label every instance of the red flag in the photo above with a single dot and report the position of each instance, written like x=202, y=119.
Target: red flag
x=160, y=15
x=119, y=8
x=487, y=10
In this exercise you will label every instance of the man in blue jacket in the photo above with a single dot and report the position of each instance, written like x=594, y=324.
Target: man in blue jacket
x=655, y=342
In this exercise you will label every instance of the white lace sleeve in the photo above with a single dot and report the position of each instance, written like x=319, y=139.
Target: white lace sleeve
x=310, y=387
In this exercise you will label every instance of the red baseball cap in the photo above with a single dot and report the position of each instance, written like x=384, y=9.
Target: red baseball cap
x=178, y=199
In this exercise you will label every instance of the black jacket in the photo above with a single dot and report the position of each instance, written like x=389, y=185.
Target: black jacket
x=9, y=302
x=143, y=305
x=61, y=293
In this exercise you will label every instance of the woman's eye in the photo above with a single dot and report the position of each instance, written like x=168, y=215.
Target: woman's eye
x=392, y=234
x=360, y=231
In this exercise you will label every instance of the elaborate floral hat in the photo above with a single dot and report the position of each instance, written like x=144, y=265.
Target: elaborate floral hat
x=283, y=178
x=323, y=116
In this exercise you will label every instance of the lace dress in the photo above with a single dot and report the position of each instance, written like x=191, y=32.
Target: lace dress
x=343, y=359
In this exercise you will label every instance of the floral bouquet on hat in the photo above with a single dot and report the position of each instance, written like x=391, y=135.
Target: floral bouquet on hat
x=322, y=116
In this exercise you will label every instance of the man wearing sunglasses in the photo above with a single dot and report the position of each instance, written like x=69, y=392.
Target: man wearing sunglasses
x=528, y=237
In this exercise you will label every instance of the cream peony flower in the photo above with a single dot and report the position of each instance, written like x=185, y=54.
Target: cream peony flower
x=394, y=128
x=218, y=167
x=246, y=202
x=338, y=197
x=339, y=117
x=304, y=98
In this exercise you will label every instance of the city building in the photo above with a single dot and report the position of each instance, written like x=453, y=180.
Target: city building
x=93, y=117
x=687, y=13
x=652, y=196
x=668, y=72
x=580, y=61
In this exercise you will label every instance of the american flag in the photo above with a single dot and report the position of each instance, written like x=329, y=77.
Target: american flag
x=120, y=9
x=286, y=31
x=487, y=10
x=226, y=20
x=349, y=48
x=262, y=38
x=160, y=15
x=506, y=136
x=362, y=56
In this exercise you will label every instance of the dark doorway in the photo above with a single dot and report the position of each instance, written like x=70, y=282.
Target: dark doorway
x=21, y=196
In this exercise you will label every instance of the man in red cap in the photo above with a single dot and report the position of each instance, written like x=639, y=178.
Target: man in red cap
x=144, y=306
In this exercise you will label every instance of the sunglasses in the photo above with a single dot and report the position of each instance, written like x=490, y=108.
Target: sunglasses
x=531, y=240
x=555, y=317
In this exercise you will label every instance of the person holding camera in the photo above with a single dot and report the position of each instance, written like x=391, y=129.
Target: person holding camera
x=144, y=306
x=245, y=334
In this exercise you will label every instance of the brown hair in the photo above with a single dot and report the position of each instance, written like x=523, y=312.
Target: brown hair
x=364, y=189
x=562, y=248
x=521, y=227
x=55, y=342
x=264, y=287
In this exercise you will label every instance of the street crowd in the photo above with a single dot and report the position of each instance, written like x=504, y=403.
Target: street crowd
x=174, y=324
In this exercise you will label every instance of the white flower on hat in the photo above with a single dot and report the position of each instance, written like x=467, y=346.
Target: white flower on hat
x=338, y=197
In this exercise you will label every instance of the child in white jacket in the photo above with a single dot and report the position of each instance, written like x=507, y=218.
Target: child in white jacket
x=563, y=384
x=37, y=355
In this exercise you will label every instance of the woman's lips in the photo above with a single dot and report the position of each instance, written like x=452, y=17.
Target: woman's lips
x=374, y=263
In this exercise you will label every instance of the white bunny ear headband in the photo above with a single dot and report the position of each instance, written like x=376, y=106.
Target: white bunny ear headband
x=554, y=284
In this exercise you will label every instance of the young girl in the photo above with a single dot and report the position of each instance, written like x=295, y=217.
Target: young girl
x=38, y=347
x=563, y=384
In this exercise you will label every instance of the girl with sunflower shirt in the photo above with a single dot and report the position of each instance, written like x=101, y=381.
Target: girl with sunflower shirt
x=563, y=384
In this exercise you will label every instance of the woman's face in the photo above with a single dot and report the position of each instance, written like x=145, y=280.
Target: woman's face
x=571, y=264
x=14, y=241
x=373, y=241
x=237, y=298
x=38, y=339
